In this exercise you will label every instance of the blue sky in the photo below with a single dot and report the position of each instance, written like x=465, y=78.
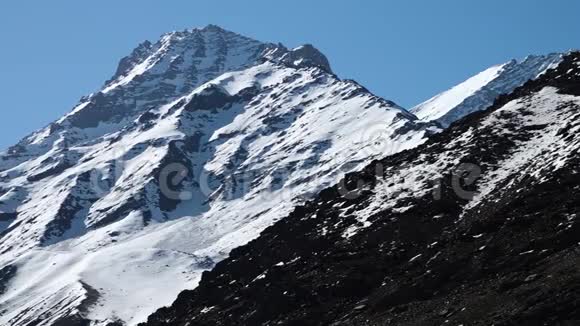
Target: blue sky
x=53, y=52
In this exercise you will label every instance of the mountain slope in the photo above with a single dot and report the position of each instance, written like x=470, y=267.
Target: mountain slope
x=480, y=91
x=478, y=226
x=197, y=144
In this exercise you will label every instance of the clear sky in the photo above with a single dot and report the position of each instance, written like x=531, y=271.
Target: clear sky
x=53, y=52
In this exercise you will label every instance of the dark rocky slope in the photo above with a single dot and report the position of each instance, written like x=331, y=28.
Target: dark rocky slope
x=429, y=251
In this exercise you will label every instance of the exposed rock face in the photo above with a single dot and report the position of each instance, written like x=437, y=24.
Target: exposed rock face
x=303, y=56
x=478, y=226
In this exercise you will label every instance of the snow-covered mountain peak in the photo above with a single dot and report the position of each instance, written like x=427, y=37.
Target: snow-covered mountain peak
x=480, y=91
x=155, y=74
x=209, y=47
x=197, y=144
